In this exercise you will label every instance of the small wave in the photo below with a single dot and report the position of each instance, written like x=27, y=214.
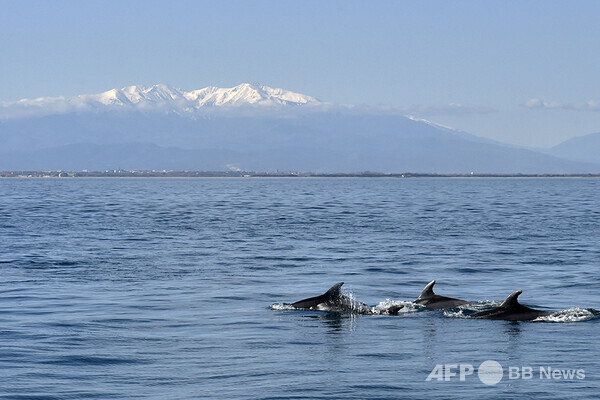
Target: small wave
x=88, y=360
x=573, y=314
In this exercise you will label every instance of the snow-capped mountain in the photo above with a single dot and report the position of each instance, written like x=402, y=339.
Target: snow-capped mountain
x=245, y=94
x=250, y=127
x=159, y=97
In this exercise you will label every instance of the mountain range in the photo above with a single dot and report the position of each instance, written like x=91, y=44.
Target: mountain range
x=254, y=128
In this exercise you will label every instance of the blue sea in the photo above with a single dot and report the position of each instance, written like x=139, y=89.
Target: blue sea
x=174, y=288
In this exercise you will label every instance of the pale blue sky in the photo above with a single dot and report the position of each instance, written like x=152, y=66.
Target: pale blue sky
x=472, y=65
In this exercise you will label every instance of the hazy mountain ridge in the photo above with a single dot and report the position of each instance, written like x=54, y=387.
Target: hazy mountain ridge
x=582, y=148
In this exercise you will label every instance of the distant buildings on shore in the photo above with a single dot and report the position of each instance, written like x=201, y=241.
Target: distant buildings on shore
x=121, y=173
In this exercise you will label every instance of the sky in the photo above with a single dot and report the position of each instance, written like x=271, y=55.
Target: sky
x=520, y=72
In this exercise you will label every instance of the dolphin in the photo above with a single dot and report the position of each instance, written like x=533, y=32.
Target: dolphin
x=511, y=310
x=334, y=300
x=436, y=302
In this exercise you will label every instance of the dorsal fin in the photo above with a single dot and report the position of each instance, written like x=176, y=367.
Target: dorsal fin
x=511, y=300
x=428, y=291
x=334, y=291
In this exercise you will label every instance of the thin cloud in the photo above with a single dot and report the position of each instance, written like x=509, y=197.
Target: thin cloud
x=449, y=109
x=590, y=105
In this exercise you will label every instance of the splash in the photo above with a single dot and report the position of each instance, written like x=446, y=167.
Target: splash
x=573, y=314
x=383, y=307
x=282, y=306
x=356, y=307
x=465, y=310
x=456, y=313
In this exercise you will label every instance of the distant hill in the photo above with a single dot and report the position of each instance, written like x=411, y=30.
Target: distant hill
x=583, y=148
x=247, y=127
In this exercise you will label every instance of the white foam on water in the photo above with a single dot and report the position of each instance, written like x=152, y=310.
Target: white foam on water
x=455, y=313
x=383, y=306
x=282, y=306
x=459, y=312
x=573, y=314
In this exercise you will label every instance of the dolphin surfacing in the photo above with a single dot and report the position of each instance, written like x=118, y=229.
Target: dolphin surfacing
x=512, y=310
x=436, y=302
x=334, y=300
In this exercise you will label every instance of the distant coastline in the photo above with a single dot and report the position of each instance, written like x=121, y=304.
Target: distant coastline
x=119, y=173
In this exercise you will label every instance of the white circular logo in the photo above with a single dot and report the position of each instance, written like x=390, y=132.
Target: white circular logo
x=490, y=372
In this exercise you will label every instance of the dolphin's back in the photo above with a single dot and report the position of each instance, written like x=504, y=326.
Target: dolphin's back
x=310, y=302
x=512, y=310
x=328, y=296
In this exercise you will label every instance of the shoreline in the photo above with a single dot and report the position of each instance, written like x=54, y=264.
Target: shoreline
x=253, y=174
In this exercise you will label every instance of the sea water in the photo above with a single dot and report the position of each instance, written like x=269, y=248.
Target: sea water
x=174, y=288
